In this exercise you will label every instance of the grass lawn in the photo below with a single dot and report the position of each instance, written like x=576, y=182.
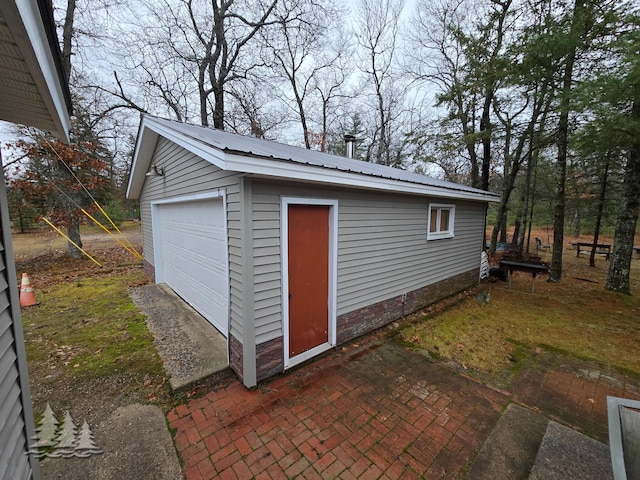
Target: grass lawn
x=33, y=243
x=577, y=317
x=87, y=345
x=86, y=337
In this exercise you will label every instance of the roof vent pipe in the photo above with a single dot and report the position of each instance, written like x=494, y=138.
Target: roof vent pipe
x=350, y=140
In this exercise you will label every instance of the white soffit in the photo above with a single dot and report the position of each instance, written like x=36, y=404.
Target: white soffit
x=32, y=91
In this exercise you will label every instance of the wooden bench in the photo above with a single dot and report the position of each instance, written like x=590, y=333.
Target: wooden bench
x=601, y=248
x=518, y=266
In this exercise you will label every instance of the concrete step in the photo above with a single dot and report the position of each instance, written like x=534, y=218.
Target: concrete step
x=565, y=454
x=525, y=445
x=511, y=449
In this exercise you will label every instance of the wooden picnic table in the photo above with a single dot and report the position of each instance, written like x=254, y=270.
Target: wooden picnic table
x=519, y=266
x=601, y=248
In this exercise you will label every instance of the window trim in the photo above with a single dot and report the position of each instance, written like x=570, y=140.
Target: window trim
x=449, y=233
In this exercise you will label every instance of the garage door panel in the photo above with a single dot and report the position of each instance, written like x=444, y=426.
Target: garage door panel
x=192, y=243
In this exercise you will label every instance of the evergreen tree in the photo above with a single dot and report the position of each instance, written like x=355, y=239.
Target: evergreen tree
x=622, y=89
x=66, y=439
x=46, y=432
x=85, y=446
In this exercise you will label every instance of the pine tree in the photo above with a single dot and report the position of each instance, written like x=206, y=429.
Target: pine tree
x=66, y=439
x=85, y=446
x=46, y=433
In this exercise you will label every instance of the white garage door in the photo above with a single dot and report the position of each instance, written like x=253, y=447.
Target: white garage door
x=191, y=250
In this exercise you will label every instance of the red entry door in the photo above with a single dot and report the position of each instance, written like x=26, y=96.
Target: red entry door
x=308, y=277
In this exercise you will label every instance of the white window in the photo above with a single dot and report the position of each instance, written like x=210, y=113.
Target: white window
x=440, y=221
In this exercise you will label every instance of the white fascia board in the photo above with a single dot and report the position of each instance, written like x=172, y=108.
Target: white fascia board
x=142, y=155
x=203, y=150
x=145, y=147
x=38, y=56
x=311, y=173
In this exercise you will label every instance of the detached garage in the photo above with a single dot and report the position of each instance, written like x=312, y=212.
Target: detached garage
x=289, y=252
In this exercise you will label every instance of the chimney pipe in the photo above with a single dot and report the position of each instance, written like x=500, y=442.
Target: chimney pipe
x=350, y=140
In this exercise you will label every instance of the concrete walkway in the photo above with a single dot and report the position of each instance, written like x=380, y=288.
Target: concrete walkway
x=135, y=443
x=191, y=349
x=376, y=410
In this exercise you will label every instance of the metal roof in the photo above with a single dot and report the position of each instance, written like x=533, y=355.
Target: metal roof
x=278, y=155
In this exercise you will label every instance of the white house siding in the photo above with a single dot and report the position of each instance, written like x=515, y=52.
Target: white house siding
x=383, y=250
x=16, y=416
x=188, y=174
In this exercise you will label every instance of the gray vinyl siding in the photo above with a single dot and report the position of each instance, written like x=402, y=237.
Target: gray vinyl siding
x=383, y=250
x=266, y=258
x=188, y=174
x=16, y=416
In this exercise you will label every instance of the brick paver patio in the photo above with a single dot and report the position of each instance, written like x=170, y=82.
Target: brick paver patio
x=384, y=412
x=573, y=392
x=373, y=411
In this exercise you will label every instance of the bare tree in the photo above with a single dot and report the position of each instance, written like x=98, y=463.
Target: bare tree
x=255, y=112
x=435, y=56
x=377, y=29
x=307, y=48
x=331, y=92
x=187, y=49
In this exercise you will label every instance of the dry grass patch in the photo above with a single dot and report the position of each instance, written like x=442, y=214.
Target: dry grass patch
x=578, y=317
x=94, y=239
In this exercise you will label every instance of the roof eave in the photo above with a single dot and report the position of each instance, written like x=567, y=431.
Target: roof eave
x=148, y=134
x=311, y=173
x=150, y=130
x=31, y=31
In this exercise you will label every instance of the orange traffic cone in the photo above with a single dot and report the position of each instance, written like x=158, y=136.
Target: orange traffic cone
x=27, y=297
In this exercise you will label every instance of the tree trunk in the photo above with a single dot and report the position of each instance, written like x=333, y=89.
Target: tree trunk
x=620, y=266
x=577, y=222
x=555, y=272
x=526, y=198
x=485, y=130
x=500, y=225
x=516, y=231
x=473, y=160
x=503, y=226
x=204, y=114
x=382, y=150
x=303, y=117
x=218, y=110
x=596, y=233
x=73, y=232
x=67, y=36
x=532, y=196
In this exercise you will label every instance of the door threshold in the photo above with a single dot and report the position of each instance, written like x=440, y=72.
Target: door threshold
x=304, y=356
